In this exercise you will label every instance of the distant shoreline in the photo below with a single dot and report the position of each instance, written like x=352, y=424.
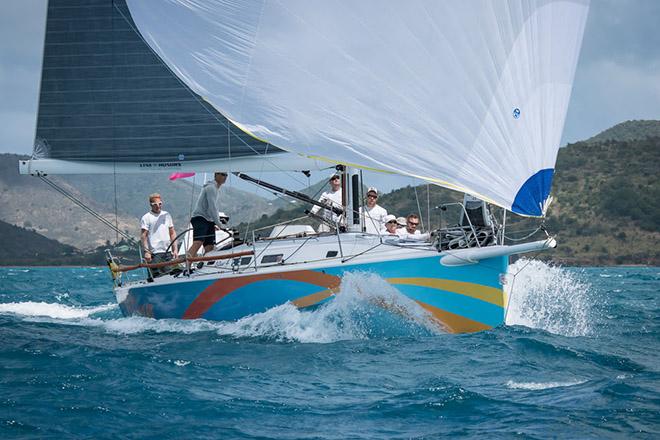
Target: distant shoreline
x=103, y=267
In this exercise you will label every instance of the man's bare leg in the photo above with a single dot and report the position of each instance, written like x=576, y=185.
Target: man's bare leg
x=192, y=252
x=194, y=248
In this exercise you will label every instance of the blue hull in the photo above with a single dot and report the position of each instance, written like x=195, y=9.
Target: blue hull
x=464, y=298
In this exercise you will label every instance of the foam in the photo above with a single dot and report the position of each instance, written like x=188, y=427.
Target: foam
x=549, y=298
x=52, y=310
x=354, y=313
x=535, y=386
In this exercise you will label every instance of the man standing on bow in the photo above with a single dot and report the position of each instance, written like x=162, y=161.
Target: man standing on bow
x=332, y=198
x=374, y=214
x=157, y=233
x=205, y=219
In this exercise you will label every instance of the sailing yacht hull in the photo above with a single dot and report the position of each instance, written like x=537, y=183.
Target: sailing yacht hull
x=462, y=299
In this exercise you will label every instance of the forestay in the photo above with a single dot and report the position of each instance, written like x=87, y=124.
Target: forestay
x=471, y=95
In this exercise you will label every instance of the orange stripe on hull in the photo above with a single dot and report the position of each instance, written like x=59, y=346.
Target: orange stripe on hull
x=314, y=298
x=221, y=288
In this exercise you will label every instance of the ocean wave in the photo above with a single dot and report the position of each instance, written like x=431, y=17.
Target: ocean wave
x=536, y=386
x=52, y=310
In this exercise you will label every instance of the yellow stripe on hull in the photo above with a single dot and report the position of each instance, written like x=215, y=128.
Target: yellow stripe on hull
x=477, y=291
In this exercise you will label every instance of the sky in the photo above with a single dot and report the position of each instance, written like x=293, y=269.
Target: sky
x=617, y=77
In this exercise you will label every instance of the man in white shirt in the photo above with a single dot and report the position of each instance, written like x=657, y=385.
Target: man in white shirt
x=157, y=232
x=332, y=198
x=373, y=215
x=205, y=219
x=410, y=232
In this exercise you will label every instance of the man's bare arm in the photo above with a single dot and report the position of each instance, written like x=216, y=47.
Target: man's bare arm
x=144, y=238
x=175, y=245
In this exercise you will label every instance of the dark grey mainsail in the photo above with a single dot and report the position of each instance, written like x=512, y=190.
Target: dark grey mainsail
x=106, y=97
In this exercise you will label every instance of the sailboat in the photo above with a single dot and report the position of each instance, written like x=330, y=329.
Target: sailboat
x=471, y=96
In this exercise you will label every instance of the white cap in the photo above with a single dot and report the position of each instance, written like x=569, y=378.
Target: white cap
x=334, y=173
x=372, y=189
x=401, y=221
x=388, y=218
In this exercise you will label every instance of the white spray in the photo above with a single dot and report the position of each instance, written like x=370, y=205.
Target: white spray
x=549, y=298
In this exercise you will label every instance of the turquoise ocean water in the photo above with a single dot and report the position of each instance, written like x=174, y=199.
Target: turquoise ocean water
x=578, y=359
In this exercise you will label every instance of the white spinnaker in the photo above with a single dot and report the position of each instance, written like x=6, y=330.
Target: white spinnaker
x=425, y=88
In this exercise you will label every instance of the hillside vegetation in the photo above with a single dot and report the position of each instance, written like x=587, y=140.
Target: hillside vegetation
x=24, y=247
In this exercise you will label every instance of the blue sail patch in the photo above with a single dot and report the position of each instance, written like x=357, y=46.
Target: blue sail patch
x=532, y=195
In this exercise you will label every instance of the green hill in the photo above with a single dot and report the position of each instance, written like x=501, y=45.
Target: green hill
x=628, y=131
x=21, y=246
x=26, y=247
x=607, y=208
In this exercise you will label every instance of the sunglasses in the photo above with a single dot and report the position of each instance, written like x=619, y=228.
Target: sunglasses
x=391, y=222
x=413, y=224
x=156, y=203
x=371, y=196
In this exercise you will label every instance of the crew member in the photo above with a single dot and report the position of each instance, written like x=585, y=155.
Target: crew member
x=390, y=226
x=332, y=198
x=410, y=232
x=205, y=219
x=374, y=214
x=157, y=233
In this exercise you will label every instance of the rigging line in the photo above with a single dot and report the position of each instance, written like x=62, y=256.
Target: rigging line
x=540, y=228
x=114, y=150
x=194, y=95
x=87, y=209
x=114, y=178
x=256, y=190
x=419, y=209
x=428, y=205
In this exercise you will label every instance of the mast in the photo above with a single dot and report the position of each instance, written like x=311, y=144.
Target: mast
x=353, y=217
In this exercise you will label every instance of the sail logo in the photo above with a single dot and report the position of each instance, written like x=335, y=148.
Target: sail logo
x=516, y=113
x=160, y=165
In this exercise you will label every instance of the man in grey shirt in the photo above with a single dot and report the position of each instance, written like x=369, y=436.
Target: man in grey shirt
x=205, y=217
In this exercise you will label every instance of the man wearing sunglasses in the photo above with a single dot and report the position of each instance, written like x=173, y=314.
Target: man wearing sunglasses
x=374, y=214
x=411, y=231
x=332, y=198
x=157, y=232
